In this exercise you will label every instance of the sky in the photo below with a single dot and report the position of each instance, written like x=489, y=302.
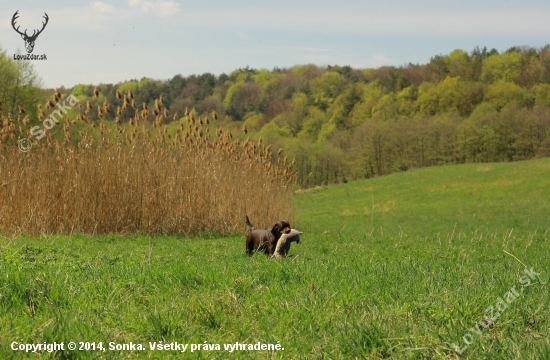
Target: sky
x=92, y=42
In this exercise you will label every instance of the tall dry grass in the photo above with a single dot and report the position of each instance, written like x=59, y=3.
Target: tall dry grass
x=110, y=177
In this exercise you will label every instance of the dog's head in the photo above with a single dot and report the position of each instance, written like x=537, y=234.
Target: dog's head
x=280, y=228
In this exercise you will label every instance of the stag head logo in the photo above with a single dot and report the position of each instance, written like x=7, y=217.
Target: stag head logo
x=29, y=40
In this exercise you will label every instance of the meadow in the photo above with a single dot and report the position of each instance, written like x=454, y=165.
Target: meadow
x=402, y=267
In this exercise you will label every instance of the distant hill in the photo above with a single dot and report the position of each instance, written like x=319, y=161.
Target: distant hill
x=438, y=202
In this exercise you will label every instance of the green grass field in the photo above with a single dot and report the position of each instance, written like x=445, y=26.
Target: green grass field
x=488, y=198
x=399, y=267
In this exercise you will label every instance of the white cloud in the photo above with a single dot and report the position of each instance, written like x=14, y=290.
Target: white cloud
x=103, y=8
x=160, y=7
x=144, y=6
x=167, y=8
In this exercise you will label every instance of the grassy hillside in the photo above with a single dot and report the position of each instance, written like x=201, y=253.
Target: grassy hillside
x=407, y=280
x=483, y=198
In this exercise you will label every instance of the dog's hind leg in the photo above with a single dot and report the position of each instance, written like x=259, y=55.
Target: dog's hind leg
x=249, y=246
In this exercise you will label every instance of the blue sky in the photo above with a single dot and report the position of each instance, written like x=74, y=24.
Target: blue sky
x=113, y=41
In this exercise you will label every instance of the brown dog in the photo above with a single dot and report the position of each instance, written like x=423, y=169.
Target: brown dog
x=265, y=240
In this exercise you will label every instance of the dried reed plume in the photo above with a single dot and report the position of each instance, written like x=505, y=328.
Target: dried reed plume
x=114, y=177
x=56, y=95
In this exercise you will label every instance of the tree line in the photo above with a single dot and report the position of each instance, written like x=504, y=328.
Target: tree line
x=342, y=123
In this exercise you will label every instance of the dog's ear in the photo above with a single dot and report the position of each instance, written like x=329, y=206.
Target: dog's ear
x=276, y=230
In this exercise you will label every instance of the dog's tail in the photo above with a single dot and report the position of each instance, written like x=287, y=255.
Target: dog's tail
x=250, y=227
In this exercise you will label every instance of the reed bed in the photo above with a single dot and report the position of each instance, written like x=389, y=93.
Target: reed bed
x=142, y=176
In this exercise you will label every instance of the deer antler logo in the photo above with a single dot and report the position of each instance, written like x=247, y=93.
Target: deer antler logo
x=29, y=40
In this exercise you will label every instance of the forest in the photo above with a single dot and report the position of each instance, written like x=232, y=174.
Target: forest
x=342, y=123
